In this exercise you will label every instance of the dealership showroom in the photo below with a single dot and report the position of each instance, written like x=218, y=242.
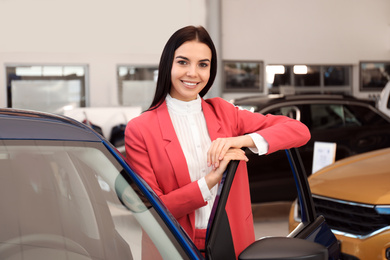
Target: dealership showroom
x=325, y=63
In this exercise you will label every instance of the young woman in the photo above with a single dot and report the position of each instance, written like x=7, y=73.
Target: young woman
x=182, y=144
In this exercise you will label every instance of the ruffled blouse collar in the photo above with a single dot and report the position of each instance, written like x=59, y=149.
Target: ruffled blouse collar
x=184, y=107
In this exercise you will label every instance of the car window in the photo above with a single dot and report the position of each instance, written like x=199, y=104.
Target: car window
x=290, y=111
x=328, y=116
x=367, y=116
x=71, y=200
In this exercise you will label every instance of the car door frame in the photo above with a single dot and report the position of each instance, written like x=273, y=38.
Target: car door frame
x=219, y=242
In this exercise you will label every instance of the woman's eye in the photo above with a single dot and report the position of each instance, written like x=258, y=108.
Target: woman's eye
x=203, y=65
x=182, y=62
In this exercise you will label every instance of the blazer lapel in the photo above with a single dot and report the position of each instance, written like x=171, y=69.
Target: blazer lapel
x=212, y=121
x=172, y=146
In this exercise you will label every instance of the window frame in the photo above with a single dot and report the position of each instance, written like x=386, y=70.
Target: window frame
x=321, y=89
x=362, y=70
x=120, y=79
x=258, y=78
x=84, y=79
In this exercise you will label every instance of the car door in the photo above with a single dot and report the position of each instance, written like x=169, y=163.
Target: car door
x=219, y=244
x=270, y=176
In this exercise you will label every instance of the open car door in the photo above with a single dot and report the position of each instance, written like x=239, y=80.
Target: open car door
x=312, y=239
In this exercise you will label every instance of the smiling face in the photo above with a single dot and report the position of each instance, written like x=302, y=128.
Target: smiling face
x=190, y=70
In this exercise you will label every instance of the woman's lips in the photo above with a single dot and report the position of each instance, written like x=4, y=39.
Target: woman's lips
x=190, y=84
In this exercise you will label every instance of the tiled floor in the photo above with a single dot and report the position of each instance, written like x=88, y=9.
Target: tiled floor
x=271, y=219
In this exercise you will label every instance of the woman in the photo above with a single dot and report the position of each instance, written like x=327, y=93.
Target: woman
x=182, y=144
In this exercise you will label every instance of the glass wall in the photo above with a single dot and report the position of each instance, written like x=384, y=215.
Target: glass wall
x=137, y=85
x=48, y=88
x=243, y=76
x=374, y=75
x=321, y=79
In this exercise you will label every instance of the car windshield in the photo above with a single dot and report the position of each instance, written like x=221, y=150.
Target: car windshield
x=70, y=200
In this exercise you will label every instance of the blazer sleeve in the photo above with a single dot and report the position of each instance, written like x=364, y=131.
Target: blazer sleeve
x=281, y=132
x=146, y=156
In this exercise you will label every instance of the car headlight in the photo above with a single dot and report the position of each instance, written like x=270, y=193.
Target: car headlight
x=383, y=209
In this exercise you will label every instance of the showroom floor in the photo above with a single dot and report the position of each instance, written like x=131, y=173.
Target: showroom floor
x=271, y=219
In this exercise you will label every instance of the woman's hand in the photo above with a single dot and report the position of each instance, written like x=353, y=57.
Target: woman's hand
x=221, y=146
x=215, y=175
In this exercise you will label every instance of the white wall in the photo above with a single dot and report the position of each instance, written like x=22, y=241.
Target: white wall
x=100, y=33
x=104, y=34
x=307, y=32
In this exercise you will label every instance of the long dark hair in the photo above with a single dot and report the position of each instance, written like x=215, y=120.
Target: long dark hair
x=188, y=33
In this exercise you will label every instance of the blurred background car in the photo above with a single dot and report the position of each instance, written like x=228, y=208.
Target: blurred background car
x=353, y=195
x=384, y=100
x=110, y=122
x=67, y=193
x=354, y=125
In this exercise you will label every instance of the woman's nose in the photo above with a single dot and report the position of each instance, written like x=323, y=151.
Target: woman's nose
x=191, y=71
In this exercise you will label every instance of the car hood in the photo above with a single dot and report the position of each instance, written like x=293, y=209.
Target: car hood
x=361, y=178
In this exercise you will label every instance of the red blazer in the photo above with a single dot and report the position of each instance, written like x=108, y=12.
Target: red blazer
x=154, y=152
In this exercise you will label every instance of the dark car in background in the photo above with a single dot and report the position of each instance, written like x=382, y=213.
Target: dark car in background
x=355, y=125
x=67, y=193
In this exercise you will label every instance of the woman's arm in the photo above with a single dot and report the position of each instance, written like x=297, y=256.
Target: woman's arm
x=279, y=132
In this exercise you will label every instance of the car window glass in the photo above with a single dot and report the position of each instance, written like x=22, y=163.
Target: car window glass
x=325, y=117
x=350, y=118
x=290, y=111
x=367, y=116
x=329, y=116
x=70, y=200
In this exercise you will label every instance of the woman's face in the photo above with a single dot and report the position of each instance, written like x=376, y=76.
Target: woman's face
x=190, y=70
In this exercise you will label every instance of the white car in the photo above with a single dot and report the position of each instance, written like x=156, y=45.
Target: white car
x=384, y=100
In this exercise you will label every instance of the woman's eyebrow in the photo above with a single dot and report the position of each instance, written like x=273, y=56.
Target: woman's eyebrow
x=185, y=58
x=182, y=57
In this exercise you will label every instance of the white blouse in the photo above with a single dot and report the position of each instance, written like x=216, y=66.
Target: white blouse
x=191, y=129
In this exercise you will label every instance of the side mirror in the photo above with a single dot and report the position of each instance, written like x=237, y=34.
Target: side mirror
x=284, y=248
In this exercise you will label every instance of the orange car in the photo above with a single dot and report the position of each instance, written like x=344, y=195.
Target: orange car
x=353, y=195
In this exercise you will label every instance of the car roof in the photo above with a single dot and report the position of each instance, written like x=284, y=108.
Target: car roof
x=34, y=125
x=266, y=100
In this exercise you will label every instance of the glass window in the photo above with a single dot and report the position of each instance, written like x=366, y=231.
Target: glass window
x=306, y=75
x=277, y=76
x=290, y=111
x=75, y=203
x=336, y=76
x=367, y=116
x=291, y=79
x=243, y=76
x=137, y=85
x=48, y=88
x=328, y=116
x=374, y=75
